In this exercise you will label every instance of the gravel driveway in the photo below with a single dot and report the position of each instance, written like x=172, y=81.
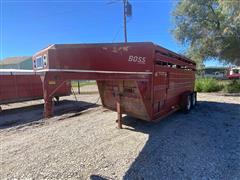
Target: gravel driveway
x=82, y=142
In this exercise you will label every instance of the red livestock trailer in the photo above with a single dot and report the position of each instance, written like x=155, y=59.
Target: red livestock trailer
x=141, y=79
x=21, y=85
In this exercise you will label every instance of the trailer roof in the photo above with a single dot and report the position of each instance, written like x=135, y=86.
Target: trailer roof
x=62, y=46
x=157, y=48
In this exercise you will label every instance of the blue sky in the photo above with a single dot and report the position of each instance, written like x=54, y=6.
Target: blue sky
x=28, y=26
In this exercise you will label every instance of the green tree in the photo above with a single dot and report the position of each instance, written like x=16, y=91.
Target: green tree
x=209, y=28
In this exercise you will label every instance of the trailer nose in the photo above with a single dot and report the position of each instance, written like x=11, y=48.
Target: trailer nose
x=40, y=59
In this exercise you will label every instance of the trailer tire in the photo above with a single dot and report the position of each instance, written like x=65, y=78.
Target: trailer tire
x=194, y=99
x=57, y=99
x=186, y=102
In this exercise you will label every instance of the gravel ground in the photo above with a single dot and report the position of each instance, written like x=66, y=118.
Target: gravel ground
x=84, y=143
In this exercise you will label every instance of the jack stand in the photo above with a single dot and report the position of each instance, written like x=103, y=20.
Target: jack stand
x=48, y=108
x=119, y=111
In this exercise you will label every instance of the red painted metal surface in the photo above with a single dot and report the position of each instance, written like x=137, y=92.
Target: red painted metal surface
x=18, y=86
x=140, y=79
x=233, y=73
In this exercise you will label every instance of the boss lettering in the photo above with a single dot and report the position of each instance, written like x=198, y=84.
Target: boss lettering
x=137, y=59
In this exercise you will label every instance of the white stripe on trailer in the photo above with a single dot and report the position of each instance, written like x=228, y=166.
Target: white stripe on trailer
x=92, y=71
x=17, y=72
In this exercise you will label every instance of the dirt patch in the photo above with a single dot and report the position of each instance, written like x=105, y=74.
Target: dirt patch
x=84, y=143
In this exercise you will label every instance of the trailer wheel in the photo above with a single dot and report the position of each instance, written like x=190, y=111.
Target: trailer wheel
x=194, y=99
x=186, y=102
x=189, y=103
x=57, y=98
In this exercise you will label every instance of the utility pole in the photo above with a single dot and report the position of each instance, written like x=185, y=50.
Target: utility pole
x=127, y=12
x=125, y=19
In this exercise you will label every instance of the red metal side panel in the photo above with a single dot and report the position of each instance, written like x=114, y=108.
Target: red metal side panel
x=130, y=57
x=24, y=86
x=8, y=88
x=180, y=81
x=160, y=89
x=19, y=87
x=15, y=88
x=132, y=101
x=169, y=84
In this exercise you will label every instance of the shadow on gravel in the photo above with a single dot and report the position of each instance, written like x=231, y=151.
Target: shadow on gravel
x=98, y=177
x=203, y=144
x=30, y=114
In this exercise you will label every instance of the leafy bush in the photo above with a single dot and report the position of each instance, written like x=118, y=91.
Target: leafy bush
x=207, y=85
x=232, y=87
